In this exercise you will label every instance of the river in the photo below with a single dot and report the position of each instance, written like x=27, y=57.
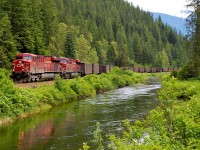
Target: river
x=69, y=126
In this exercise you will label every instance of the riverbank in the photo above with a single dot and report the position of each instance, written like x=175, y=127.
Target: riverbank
x=174, y=124
x=16, y=103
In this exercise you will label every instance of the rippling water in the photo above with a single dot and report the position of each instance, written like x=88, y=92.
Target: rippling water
x=67, y=127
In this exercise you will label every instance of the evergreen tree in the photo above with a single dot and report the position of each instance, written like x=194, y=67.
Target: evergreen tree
x=112, y=53
x=50, y=23
x=164, y=59
x=194, y=31
x=102, y=48
x=22, y=25
x=37, y=26
x=69, y=45
x=7, y=42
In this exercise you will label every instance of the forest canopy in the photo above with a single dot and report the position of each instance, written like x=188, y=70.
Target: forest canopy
x=98, y=31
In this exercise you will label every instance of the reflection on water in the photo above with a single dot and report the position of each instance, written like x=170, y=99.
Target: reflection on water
x=67, y=127
x=39, y=135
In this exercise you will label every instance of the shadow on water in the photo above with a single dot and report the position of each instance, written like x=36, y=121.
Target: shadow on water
x=68, y=126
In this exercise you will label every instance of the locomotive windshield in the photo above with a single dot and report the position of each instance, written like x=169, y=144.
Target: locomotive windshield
x=63, y=60
x=27, y=57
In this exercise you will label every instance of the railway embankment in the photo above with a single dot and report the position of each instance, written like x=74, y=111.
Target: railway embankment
x=16, y=103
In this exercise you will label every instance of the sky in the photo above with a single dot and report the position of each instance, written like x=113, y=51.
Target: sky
x=171, y=7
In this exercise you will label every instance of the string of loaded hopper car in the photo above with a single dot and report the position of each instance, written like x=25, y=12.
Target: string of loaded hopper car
x=29, y=67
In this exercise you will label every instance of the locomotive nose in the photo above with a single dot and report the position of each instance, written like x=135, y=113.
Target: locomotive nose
x=18, y=66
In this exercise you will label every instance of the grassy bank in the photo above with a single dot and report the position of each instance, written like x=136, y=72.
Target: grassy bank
x=21, y=102
x=174, y=124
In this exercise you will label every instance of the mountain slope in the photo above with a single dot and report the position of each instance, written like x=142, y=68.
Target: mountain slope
x=175, y=22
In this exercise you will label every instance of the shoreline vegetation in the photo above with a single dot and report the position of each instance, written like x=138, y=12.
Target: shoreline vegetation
x=174, y=124
x=17, y=103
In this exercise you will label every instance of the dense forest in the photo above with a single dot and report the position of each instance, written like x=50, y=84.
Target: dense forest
x=98, y=31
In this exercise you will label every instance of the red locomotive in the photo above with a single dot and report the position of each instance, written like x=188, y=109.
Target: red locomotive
x=30, y=67
x=70, y=67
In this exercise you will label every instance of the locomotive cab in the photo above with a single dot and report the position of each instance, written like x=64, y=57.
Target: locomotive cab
x=21, y=66
x=70, y=68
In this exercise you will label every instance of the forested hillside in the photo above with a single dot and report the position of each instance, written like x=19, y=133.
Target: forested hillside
x=94, y=31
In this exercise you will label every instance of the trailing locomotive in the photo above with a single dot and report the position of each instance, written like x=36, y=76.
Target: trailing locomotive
x=30, y=67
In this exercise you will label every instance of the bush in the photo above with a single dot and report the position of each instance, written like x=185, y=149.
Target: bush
x=174, y=74
x=49, y=95
x=99, y=82
x=64, y=87
x=82, y=88
x=188, y=71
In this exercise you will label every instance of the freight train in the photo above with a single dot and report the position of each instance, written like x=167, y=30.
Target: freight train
x=29, y=67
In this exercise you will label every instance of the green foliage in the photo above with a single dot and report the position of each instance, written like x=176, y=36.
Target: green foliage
x=49, y=95
x=193, y=26
x=14, y=101
x=84, y=51
x=188, y=71
x=97, y=137
x=174, y=74
x=85, y=146
x=99, y=82
x=65, y=89
x=82, y=88
x=7, y=42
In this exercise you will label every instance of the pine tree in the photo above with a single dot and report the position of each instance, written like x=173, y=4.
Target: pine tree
x=7, y=42
x=37, y=26
x=22, y=25
x=70, y=45
x=193, y=21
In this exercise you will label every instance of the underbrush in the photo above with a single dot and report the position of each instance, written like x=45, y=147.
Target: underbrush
x=17, y=101
x=174, y=124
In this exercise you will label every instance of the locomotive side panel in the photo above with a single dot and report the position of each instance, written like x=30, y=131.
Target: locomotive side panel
x=51, y=64
x=38, y=65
